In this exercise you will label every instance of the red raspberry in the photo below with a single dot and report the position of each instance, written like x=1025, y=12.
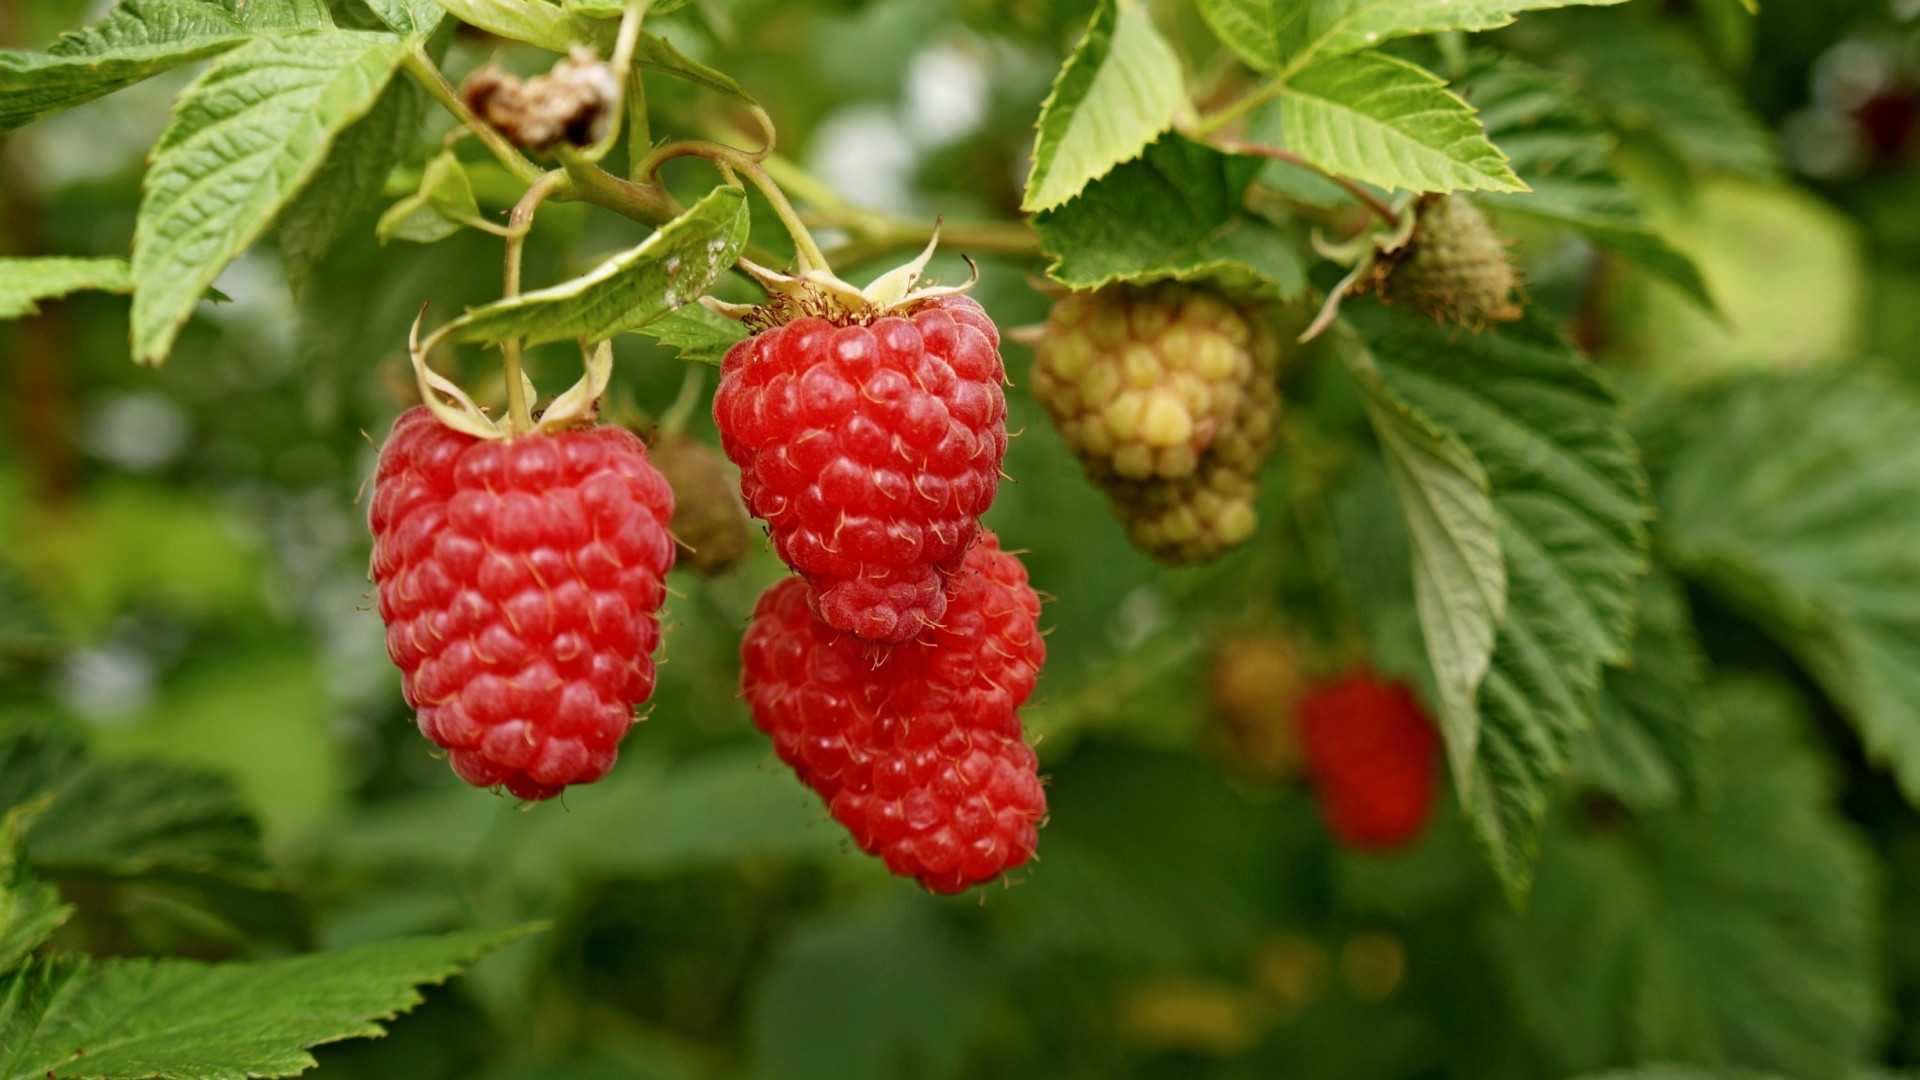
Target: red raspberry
x=870, y=451
x=1372, y=753
x=915, y=748
x=518, y=580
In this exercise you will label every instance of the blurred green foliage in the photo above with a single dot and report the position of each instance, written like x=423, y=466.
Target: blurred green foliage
x=183, y=576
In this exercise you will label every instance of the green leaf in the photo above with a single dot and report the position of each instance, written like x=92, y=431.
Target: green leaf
x=883, y=991
x=532, y=21
x=409, y=18
x=1174, y=213
x=1459, y=577
x=133, y=1019
x=351, y=180
x=137, y=40
x=1743, y=935
x=1650, y=80
x=1560, y=149
x=1570, y=503
x=125, y=818
x=1115, y=94
x=701, y=336
x=1286, y=35
x=674, y=266
x=1650, y=748
x=612, y=9
x=26, y=628
x=25, y=281
x=1816, y=535
x=442, y=206
x=30, y=910
x=245, y=138
x=1380, y=119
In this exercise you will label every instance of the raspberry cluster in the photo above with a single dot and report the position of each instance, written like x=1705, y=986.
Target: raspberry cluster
x=1166, y=395
x=1372, y=753
x=1454, y=268
x=519, y=581
x=870, y=449
x=915, y=748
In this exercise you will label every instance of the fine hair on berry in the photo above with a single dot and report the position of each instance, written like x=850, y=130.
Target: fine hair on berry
x=915, y=748
x=519, y=580
x=870, y=449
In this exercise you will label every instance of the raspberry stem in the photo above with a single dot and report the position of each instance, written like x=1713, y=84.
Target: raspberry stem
x=519, y=412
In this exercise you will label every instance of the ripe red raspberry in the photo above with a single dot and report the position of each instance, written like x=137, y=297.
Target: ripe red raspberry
x=518, y=580
x=915, y=748
x=1372, y=753
x=870, y=450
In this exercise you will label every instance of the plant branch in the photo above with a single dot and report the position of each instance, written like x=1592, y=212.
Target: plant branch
x=519, y=223
x=428, y=76
x=1358, y=191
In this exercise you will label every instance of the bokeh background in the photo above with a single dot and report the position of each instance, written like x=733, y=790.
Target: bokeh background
x=183, y=560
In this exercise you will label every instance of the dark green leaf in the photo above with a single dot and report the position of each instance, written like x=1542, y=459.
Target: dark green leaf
x=1798, y=498
x=1560, y=148
x=1571, y=506
x=1650, y=747
x=30, y=909
x=870, y=994
x=1175, y=213
x=1743, y=935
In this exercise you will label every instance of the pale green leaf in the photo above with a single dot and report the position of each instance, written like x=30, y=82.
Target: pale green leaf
x=700, y=335
x=30, y=909
x=612, y=9
x=532, y=21
x=1287, y=35
x=23, y=282
x=1459, y=577
x=1798, y=498
x=674, y=266
x=1380, y=119
x=410, y=18
x=1116, y=93
x=1650, y=748
x=1560, y=149
x=1742, y=935
x=351, y=180
x=135, y=1019
x=1176, y=213
x=245, y=138
x=443, y=205
x=1570, y=504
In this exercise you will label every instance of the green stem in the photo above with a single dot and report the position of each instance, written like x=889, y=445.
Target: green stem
x=519, y=224
x=1366, y=198
x=639, y=128
x=1209, y=124
x=804, y=245
x=428, y=76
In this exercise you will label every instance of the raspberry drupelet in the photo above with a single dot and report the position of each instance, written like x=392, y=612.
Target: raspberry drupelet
x=519, y=581
x=917, y=748
x=870, y=449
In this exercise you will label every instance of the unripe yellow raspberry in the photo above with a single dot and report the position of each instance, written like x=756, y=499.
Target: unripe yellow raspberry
x=1166, y=395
